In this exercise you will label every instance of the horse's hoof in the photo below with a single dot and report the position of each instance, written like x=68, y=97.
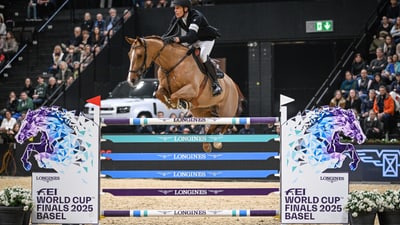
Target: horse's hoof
x=207, y=147
x=183, y=104
x=217, y=145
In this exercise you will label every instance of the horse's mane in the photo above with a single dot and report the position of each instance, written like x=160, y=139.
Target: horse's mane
x=158, y=38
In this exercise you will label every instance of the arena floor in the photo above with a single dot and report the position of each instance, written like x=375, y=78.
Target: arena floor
x=218, y=202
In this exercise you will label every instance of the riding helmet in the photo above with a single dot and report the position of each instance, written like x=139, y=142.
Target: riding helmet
x=183, y=3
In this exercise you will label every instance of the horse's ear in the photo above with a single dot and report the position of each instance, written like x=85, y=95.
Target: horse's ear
x=139, y=40
x=129, y=40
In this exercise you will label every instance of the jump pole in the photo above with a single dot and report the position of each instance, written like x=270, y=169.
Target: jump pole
x=191, y=120
x=190, y=191
x=189, y=213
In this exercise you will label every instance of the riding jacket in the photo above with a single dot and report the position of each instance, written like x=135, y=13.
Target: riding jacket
x=196, y=28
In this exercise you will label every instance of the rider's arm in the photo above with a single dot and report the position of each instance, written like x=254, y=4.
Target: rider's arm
x=191, y=35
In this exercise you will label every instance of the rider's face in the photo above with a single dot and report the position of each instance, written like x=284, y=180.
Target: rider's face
x=179, y=11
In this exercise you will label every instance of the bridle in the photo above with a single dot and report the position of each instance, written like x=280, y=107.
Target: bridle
x=143, y=69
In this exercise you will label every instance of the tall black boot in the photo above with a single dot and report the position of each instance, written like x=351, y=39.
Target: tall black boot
x=212, y=73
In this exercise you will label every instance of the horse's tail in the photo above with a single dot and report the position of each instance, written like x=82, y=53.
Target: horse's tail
x=242, y=102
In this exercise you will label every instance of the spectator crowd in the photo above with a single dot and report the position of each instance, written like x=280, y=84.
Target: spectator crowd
x=372, y=89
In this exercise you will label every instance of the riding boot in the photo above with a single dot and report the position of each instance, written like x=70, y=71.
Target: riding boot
x=212, y=73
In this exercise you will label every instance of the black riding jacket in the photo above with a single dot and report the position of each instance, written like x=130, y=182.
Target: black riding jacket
x=196, y=26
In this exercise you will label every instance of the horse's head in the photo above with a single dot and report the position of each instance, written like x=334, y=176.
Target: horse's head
x=350, y=126
x=30, y=126
x=138, y=57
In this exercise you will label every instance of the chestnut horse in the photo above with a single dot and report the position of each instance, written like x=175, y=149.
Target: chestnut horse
x=181, y=82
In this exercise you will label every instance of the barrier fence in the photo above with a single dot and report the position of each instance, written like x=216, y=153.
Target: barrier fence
x=189, y=213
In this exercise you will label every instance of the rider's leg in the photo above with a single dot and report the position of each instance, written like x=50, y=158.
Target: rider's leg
x=205, y=50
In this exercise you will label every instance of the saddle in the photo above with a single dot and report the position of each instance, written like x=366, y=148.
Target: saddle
x=196, y=55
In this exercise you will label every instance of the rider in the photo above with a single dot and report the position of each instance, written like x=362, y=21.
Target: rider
x=190, y=27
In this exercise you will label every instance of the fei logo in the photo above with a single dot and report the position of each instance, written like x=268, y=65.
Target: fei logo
x=296, y=191
x=388, y=159
x=47, y=191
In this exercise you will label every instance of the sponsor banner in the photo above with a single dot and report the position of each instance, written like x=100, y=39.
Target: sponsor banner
x=63, y=199
x=185, y=174
x=188, y=138
x=184, y=156
x=315, y=199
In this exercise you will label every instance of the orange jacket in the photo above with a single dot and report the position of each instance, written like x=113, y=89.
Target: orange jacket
x=388, y=105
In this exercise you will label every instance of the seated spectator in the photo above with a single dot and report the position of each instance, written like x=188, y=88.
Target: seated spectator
x=389, y=72
x=77, y=69
x=11, y=103
x=127, y=14
x=186, y=130
x=3, y=27
x=97, y=37
x=76, y=39
x=395, y=91
x=28, y=87
x=377, y=82
x=144, y=129
x=10, y=45
x=348, y=84
x=372, y=126
x=384, y=108
x=395, y=31
x=353, y=102
x=247, y=130
x=32, y=7
x=100, y=23
x=389, y=47
x=338, y=100
x=172, y=129
x=52, y=89
x=69, y=81
x=25, y=103
x=86, y=57
x=159, y=129
x=72, y=55
x=87, y=23
x=148, y=4
x=86, y=40
x=7, y=127
x=162, y=4
x=396, y=62
x=368, y=103
x=385, y=26
x=2, y=58
x=363, y=84
x=56, y=58
x=379, y=63
x=63, y=73
x=376, y=43
x=357, y=65
x=39, y=95
x=392, y=11
x=112, y=22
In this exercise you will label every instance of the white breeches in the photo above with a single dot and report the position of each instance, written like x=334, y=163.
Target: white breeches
x=205, y=48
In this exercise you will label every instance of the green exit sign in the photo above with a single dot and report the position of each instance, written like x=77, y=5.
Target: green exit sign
x=319, y=26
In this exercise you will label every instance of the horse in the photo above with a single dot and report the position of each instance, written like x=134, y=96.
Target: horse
x=182, y=83
x=314, y=140
x=64, y=140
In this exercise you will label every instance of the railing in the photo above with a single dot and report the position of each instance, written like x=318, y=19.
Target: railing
x=22, y=49
x=346, y=58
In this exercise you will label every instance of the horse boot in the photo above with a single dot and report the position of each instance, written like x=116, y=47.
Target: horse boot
x=212, y=73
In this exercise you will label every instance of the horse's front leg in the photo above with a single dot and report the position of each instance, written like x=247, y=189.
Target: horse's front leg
x=164, y=97
x=182, y=97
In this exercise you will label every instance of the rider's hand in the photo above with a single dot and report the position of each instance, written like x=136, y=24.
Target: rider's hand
x=169, y=40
